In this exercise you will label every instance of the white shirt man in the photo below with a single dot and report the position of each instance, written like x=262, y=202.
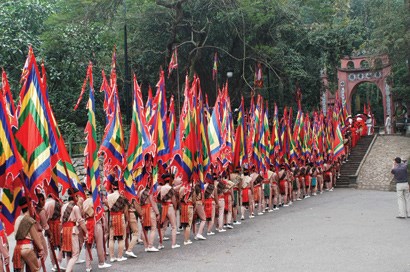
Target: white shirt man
x=387, y=124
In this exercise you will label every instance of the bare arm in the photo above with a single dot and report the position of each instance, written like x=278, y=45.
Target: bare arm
x=174, y=201
x=36, y=239
x=80, y=220
x=43, y=220
x=126, y=214
x=154, y=205
x=4, y=251
x=216, y=196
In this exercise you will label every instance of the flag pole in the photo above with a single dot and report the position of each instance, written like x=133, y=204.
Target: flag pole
x=216, y=86
x=179, y=100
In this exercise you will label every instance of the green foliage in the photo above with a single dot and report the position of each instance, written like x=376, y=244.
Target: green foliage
x=293, y=39
x=21, y=23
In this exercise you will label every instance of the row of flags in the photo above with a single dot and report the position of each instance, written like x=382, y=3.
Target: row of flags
x=258, y=78
x=33, y=156
x=204, y=142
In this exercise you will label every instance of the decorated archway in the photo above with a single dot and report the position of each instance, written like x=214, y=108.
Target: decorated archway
x=357, y=70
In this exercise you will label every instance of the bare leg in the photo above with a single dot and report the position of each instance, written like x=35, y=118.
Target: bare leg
x=172, y=221
x=221, y=207
x=211, y=223
x=74, y=254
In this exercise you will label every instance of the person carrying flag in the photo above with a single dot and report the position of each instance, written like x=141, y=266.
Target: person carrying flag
x=283, y=184
x=200, y=211
x=209, y=206
x=220, y=186
x=274, y=179
x=41, y=224
x=53, y=210
x=150, y=217
x=245, y=194
x=118, y=206
x=134, y=208
x=228, y=195
x=169, y=203
x=237, y=180
x=95, y=234
x=72, y=221
x=187, y=200
x=27, y=237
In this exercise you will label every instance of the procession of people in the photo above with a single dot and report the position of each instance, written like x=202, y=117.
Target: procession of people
x=181, y=182
x=177, y=210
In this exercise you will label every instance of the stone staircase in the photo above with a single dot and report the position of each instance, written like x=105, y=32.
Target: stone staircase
x=350, y=169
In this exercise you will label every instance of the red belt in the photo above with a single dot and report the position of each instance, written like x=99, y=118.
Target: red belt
x=166, y=203
x=69, y=224
x=146, y=206
x=24, y=242
x=116, y=213
x=89, y=218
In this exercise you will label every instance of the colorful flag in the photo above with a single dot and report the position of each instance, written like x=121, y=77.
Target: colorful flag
x=215, y=67
x=284, y=139
x=226, y=129
x=91, y=162
x=8, y=98
x=204, y=161
x=10, y=209
x=184, y=159
x=255, y=140
x=140, y=142
x=112, y=144
x=160, y=125
x=258, y=76
x=338, y=147
x=275, y=140
x=10, y=163
x=63, y=170
x=33, y=120
x=265, y=143
x=215, y=134
x=148, y=106
x=240, y=155
x=173, y=64
x=10, y=171
x=171, y=122
x=108, y=105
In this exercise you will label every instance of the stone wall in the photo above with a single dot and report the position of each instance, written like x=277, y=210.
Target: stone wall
x=375, y=172
x=78, y=163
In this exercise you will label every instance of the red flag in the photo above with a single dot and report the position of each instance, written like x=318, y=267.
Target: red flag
x=215, y=67
x=258, y=76
x=173, y=64
x=8, y=99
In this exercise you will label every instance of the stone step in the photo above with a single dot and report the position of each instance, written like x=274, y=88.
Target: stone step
x=342, y=180
x=353, y=166
x=356, y=156
x=342, y=183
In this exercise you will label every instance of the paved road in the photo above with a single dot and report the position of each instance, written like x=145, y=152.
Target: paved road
x=345, y=230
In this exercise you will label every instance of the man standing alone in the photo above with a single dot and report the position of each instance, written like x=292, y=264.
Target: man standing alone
x=387, y=124
x=402, y=187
